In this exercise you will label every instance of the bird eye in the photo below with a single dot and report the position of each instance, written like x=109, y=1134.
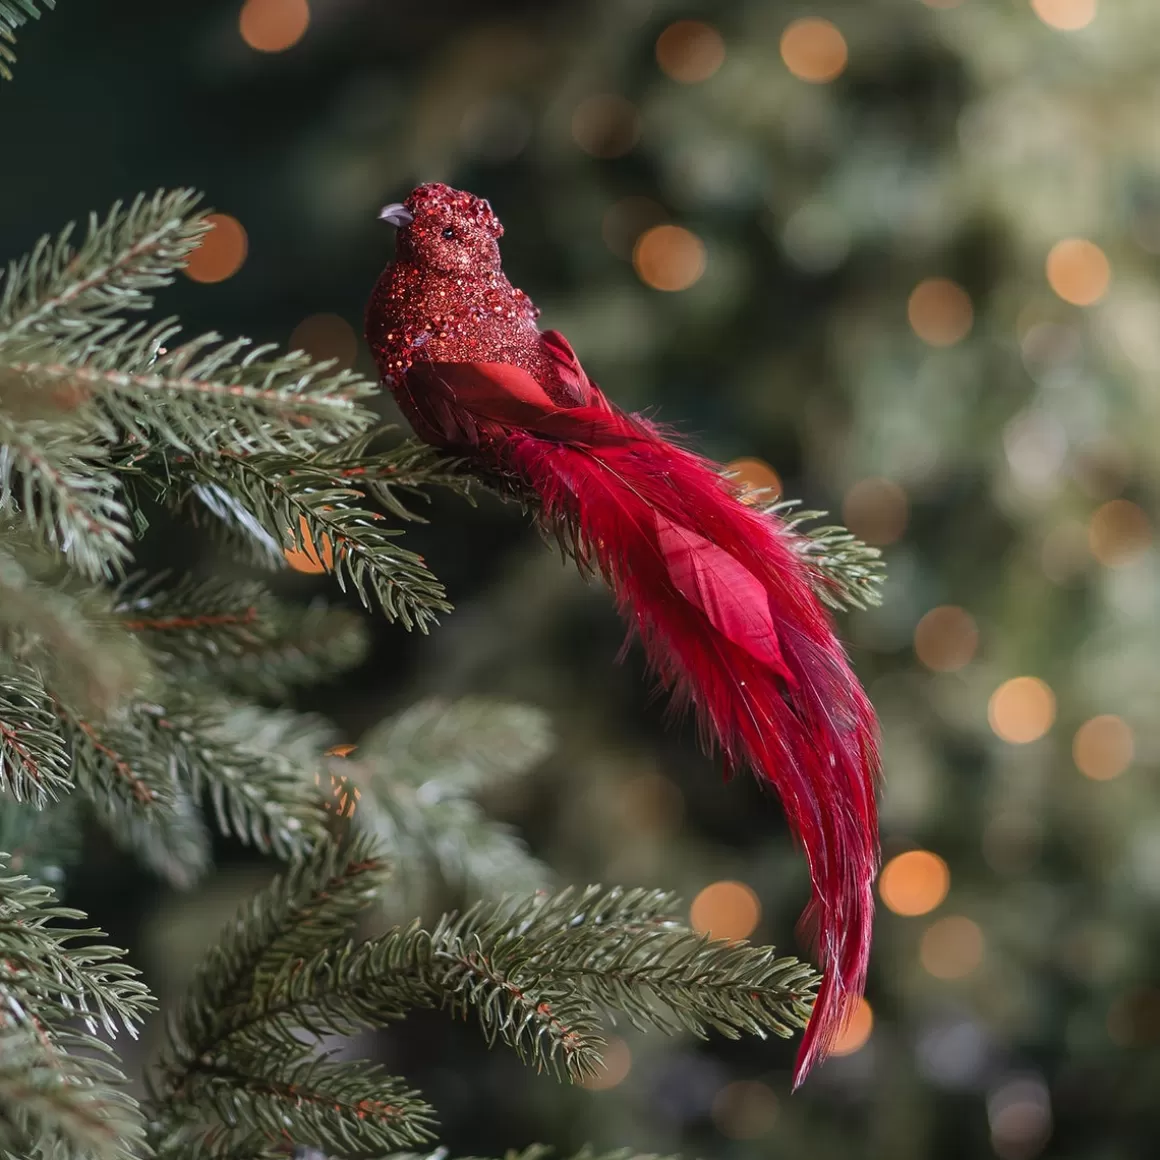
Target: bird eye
x=448, y=232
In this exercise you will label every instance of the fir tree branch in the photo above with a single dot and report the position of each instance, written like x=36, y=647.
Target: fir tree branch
x=237, y=632
x=14, y=13
x=59, y=486
x=850, y=572
x=204, y=395
x=58, y=293
x=293, y=499
x=34, y=759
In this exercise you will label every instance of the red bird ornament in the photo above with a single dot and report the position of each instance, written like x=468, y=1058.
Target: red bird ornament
x=725, y=606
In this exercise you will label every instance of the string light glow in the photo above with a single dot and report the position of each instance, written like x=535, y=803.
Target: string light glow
x=221, y=251
x=745, y=1110
x=856, y=1034
x=1021, y=710
x=940, y=312
x=273, y=25
x=303, y=557
x=814, y=50
x=1118, y=533
x=690, y=51
x=326, y=336
x=728, y=910
x=606, y=125
x=1066, y=15
x=945, y=639
x=669, y=258
x=755, y=475
x=1103, y=747
x=952, y=947
x=914, y=883
x=1078, y=271
x=616, y=1064
x=876, y=510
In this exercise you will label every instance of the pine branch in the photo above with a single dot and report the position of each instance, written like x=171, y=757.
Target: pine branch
x=235, y=631
x=58, y=484
x=534, y=1152
x=90, y=664
x=14, y=13
x=34, y=759
x=204, y=395
x=58, y=293
x=419, y=768
x=292, y=499
x=851, y=573
x=456, y=747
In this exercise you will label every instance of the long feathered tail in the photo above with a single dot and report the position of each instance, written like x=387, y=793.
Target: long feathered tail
x=729, y=618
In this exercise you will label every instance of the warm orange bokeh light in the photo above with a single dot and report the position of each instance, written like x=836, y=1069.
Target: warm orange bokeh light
x=669, y=258
x=343, y=750
x=854, y=1036
x=326, y=336
x=606, y=125
x=755, y=475
x=690, y=51
x=951, y=948
x=814, y=50
x=946, y=639
x=273, y=25
x=1066, y=15
x=625, y=220
x=728, y=910
x=1021, y=710
x=940, y=312
x=1103, y=747
x=876, y=510
x=616, y=1064
x=303, y=557
x=1078, y=271
x=914, y=883
x=1118, y=533
x=745, y=1110
x=221, y=251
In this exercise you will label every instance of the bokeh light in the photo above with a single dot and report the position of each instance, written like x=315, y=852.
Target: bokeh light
x=946, y=638
x=1066, y=15
x=1019, y=1112
x=273, y=25
x=1103, y=747
x=221, y=251
x=669, y=258
x=727, y=910
x=1119, y=531
x=745, y=1110
x=814, y=50
x=914, y=883
x=343, y=750
x=876, y=510
x=1078, y=271
x=606, y=125
x=940, y=312
x=326, y=336
x=856, y=1034
x=690, y=51
x=1021, y=710
x=615, y=1066
x=952, y=947
x=303, y=557
x=755, y=475
x=625, y=220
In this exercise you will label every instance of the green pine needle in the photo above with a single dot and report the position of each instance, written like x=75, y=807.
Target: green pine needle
x=14, y=13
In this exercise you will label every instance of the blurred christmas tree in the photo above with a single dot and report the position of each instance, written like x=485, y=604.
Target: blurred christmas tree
x=905, y=253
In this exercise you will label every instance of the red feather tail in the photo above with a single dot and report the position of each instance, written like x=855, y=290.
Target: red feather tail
x=729, y=619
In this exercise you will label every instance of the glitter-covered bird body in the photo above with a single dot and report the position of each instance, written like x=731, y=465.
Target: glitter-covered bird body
x=725, y=606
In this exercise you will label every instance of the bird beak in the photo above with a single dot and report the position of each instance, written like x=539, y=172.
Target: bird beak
x=397, y=214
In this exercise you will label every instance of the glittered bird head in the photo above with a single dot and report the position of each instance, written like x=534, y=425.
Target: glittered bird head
x=446, y=230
